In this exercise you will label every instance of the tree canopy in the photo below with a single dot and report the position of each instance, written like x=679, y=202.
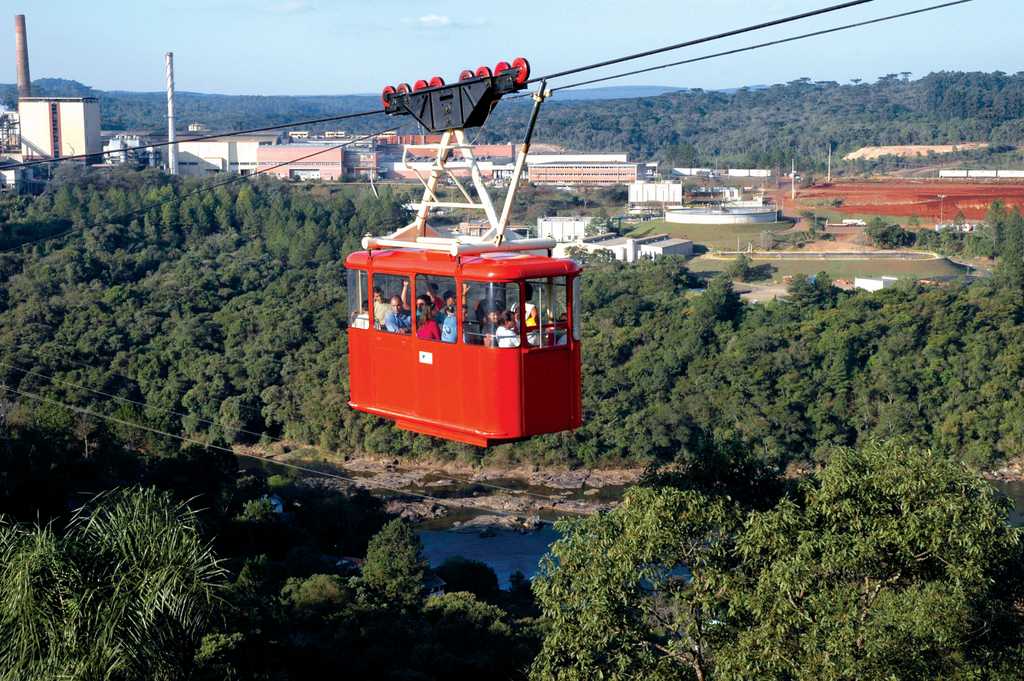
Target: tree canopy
x=890, y=562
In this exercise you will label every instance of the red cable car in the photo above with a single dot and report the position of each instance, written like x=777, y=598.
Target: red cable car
x=480, y=349
x=469, y=338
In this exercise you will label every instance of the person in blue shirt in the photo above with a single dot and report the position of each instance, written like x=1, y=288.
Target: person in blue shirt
x=399, y=320
x=449, y=325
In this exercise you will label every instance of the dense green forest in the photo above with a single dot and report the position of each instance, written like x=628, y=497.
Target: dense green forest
x=762, y=127
x=130, y=558
x=126, y=557
x=222, y=316
x=219, y=315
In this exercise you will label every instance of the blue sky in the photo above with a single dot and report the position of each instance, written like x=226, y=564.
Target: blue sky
x=355, y=46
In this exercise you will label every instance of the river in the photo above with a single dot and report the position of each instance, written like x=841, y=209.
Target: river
x=507, y=551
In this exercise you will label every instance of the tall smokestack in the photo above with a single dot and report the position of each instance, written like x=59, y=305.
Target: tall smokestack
x=21, y=48
x=172, y=149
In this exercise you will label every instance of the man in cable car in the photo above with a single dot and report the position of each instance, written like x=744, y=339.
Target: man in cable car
x=449, y=325
x=506, y=335
x=399, y=320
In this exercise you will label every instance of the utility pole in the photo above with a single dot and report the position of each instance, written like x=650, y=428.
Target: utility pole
x=792, y=182
x=829, y=163
x=172, y=148
x=942, y=205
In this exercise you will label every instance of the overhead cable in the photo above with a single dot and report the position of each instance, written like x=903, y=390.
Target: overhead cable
x=199, y=190
x=144, y=405
x=770, y=43
x=306, y=469
x=204, y=138
x=705, y=39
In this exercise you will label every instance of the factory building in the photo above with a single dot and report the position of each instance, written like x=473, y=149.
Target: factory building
x=581, y=170
x=630, y=249
x=59, y=126
x=11, y=179
x=226, y=155
x=655, y=193
x=562, y=229
x=324, y=162
x=130, y=148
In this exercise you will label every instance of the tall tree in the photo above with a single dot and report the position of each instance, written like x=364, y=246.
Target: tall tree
x=394, y=569
x=891, y=562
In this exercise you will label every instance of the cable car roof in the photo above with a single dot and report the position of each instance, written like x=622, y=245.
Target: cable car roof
x=501, y=266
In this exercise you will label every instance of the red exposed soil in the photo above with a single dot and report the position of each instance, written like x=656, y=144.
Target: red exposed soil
x=921, y=198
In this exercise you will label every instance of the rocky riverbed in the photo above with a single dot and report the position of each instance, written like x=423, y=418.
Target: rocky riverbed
x=475, y=497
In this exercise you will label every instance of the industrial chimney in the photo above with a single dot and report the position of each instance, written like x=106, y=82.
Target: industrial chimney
x=172, y=148
x=21, y=47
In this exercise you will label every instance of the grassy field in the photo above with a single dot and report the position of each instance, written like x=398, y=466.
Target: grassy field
x=722, y=237
x=840, y=269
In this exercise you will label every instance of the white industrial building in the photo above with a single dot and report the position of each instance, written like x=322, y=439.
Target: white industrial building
x=224, y=155
x=128, y=148
x=982, y=174
x=645, y=193
x=11, y=179
x=874, y=284
x=714, y=172
x=723, y=215
x=630, y=249
x=562, y=229
x=59, y=126
x=539, y=159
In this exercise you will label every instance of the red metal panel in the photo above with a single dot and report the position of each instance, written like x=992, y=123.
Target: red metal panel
x=491, y=266
x=360, y=384
x=463, y=392
x=549, y=389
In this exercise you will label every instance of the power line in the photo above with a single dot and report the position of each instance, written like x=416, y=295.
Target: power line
x=198, y=190
x=770, y=43
x=79, y=157
x=305, y=469
x=144, y=405
x=706, y=39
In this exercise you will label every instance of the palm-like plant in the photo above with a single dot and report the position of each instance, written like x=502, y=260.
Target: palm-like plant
x=126, y=592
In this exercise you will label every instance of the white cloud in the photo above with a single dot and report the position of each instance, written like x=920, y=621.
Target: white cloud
x=440, y=21
x=434, y=21
x=292, y=7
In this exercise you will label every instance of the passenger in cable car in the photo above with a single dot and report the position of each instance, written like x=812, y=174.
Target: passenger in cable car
x=435, y=298
x=380, y=308
x=426, y=327
x=398, y=320
x=449, y=325
x=531, y=318
x=490, y=325
x=507, y=335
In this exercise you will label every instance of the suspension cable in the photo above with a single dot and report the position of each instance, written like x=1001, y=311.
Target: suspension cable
x=204, y=138
x=770, y=43
x=705, y=39
x=305, y=469
x=198, y=190
x=125, y=400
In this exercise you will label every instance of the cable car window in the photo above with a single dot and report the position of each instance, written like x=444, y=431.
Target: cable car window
x=490, y=314
x=435, y=301
x=358, y=315
x=394, y=291
x=577, y=331
x=546, y=312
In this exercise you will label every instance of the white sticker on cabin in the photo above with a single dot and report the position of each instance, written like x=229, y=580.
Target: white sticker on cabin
x=426, y=357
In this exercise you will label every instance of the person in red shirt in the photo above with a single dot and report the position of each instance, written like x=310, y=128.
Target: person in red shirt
x=435, y=298
x=426, y=327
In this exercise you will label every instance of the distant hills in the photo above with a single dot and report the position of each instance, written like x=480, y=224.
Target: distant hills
x=617, y=92
x=754, y=126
